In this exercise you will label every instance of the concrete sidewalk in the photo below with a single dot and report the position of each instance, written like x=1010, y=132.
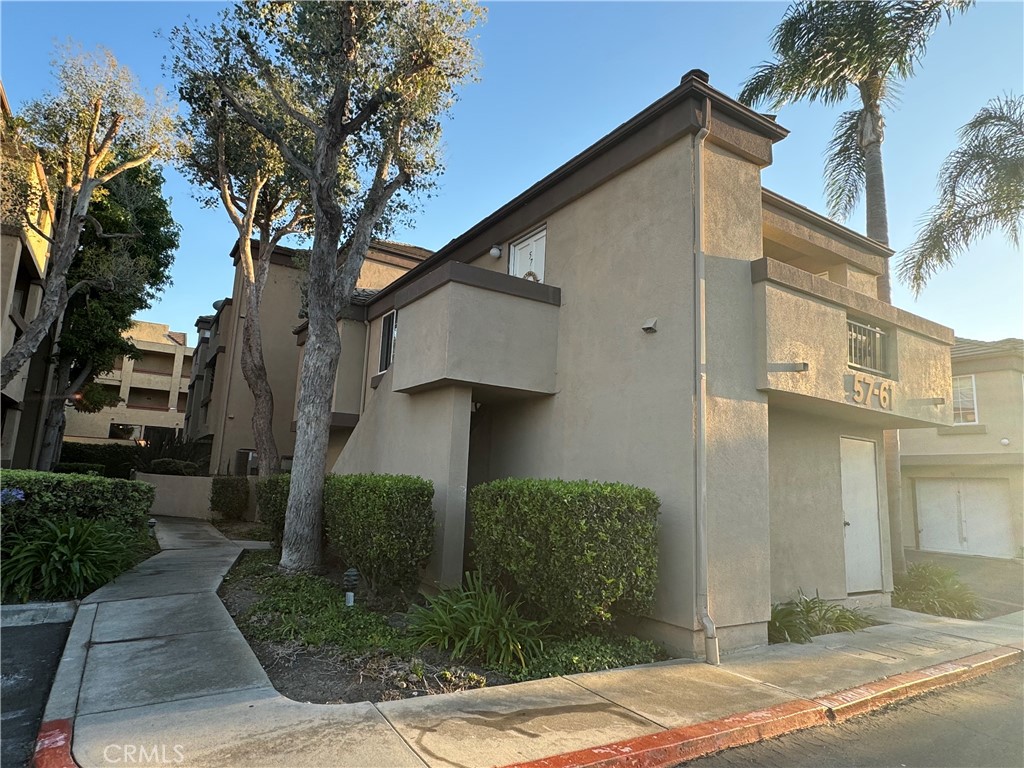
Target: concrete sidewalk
x=156, y=671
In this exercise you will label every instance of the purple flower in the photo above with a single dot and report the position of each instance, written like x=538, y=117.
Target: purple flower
x=11, y=495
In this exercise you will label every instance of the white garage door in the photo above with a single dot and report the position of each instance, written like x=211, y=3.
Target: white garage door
x=965, y=516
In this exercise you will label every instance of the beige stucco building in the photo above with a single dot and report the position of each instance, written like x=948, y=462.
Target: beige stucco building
x=153, y=391
x=648, y=313
x=220, y=405
x=24, y=256
x=963, y=485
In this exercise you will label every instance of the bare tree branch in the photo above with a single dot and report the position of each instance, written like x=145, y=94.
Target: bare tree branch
x=98, y=228
x=128, y=164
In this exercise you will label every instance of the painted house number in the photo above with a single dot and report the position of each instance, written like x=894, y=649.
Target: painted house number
x=864, y=388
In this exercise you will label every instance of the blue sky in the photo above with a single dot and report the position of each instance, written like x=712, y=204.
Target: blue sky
x=558, y=76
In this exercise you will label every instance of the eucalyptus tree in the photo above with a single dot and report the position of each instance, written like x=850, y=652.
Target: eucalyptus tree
x=262, y=195
x=96, y=125
x=351, y=94
x=112, y=279
x=981, y=191
x=829, y=51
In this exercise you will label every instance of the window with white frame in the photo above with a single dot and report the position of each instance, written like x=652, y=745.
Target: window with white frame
x=388, y=334
x=965, y=400
x=526, y=256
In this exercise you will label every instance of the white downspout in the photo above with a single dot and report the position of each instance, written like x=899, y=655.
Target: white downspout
x=711, y=655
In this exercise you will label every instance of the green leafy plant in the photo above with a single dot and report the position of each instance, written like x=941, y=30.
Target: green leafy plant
x=118, y=460
x=383, y=525
x=51, y=496
x=590, y=653
x=797, y=621
x=60, y=559
x=272, y=503
x=173, y=467
x=931, y=588
x=477, y=621
x=229, y=496
x=578, y=551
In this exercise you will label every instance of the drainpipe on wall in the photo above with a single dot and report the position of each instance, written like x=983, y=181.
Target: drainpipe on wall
x=711, y=655
x=366, y=366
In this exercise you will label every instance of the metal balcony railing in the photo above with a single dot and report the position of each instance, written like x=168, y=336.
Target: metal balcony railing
x=867, y=348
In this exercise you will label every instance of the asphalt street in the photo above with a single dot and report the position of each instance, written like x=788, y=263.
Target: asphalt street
x=977, y=724
x=28, y=661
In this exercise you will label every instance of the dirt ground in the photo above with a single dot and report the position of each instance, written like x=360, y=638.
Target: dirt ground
x=328, y=675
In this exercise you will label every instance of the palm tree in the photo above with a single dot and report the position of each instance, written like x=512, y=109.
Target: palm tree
x=825, y=50
x=981, y=190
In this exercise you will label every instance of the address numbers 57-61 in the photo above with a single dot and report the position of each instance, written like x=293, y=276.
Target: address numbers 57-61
x=871, y=391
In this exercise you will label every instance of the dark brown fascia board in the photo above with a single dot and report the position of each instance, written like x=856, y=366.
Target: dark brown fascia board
x=787, y=206
x=464, y=274
x=339, y=420
x=681, y=112
x=284, y=256
x=793, y=278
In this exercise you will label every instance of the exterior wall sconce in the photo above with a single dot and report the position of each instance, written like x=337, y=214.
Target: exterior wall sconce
x=1005, y=441
x=495, y=251
x=650, y=325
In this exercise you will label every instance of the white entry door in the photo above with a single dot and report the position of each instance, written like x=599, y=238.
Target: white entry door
x=862, y=536
x=527, y=257
x=965, y=515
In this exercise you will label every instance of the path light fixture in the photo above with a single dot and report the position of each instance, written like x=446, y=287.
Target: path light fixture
x=152, y=527
x=349, y=580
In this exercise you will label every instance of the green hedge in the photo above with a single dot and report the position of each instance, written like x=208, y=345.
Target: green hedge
x=579, y=551
x=383, y=525
x=229, y=496
x=118, y=460
x=64, y=468
x=51, y=496
x=173, y=467
x=271, y=504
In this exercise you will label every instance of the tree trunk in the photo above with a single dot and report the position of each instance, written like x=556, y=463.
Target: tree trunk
x=302, y=545
x=53, y=430
x=871, y=136
x=254, y=368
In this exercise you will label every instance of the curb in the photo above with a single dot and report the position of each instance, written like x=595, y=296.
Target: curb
x=677, y=745
x=53, y=746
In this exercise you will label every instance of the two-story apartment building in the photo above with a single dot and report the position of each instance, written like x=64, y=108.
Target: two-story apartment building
x=963, y=485
x=153, y=391
x=648, y=313
x=220, y=405
x=24, y=256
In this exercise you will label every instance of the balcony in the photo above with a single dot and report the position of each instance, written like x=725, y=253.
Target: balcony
x=828, y=349
x=463, y=324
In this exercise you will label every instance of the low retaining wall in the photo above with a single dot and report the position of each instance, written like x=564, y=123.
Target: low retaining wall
x=178, y=496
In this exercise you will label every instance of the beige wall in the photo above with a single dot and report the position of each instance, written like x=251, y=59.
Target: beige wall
x=179, y=496
x=348, y=385
x=426, y=435
x=807, y=535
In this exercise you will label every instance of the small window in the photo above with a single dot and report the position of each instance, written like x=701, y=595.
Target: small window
x=526, y=258
x=388, y=334
x=965, y=401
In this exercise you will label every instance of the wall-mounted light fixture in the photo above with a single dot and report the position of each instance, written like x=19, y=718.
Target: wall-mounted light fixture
x=650, y=325
x=1005, y=441
x=495, y=251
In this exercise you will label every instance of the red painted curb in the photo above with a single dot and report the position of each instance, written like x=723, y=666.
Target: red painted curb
x=864, y=698
x=670, y=747
x=676, y=745
x=53, y=745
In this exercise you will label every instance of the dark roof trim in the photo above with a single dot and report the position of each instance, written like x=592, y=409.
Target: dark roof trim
x=681, y=112
x=382, y=251
x=784, y=204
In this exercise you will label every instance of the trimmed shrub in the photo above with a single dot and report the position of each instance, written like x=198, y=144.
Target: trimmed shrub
x=383, y=525
x=578, y=551
x=117, y=460
x=63, y=559
x=173, y=467
x=50, y=496
x=478, y=622
x=271, y=504
x=78, y=469
x=229, y=496
x=930, y=588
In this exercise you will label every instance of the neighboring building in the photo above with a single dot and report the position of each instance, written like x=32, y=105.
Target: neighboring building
x=963, y=485
x=220, y=404
x=153, y=391
x=574, y=333
x=24, y=256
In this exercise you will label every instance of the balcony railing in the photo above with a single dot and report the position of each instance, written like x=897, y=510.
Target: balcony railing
x=867, y=347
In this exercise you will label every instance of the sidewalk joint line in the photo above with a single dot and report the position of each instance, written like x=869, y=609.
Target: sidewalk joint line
x=615, y=703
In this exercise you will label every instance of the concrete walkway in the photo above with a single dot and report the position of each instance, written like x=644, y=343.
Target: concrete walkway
x=155, y=662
